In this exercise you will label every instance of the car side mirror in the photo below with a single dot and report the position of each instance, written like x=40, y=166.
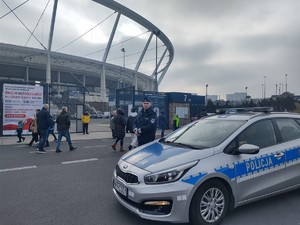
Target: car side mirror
x=248, y=149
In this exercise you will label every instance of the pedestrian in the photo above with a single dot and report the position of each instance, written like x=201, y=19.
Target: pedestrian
x=51, y=131
x=33, y=127
x=63, y=121
x=129, y=128
x=119, y=131
x=20, y=130
x=85, y=122
x=145, y=123
x=112, y=124
x=175, y=122
x=43, y=122
x=162, y=123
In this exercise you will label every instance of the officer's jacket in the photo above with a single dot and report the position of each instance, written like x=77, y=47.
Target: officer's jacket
x=146, y=122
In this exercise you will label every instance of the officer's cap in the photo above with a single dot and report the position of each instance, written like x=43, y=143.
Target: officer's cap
x=146, y=99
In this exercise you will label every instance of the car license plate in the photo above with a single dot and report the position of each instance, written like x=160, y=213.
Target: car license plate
x=119, y=187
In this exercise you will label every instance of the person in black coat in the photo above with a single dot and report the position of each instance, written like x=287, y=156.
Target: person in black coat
x=43, y=123
x=63, y=121
x=119, y=132
x=145, y=123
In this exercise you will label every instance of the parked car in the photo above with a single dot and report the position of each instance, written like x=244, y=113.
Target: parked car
x=97, y=114
x=200, y=171
x=106, y=114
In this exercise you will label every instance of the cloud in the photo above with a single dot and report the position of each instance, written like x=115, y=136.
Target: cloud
x=226, y=44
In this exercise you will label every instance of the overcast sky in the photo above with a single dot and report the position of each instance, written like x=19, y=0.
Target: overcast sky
x=227, y=44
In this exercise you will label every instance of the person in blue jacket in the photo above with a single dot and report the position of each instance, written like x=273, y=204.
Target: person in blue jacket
x=145, y=123
x=43, y=121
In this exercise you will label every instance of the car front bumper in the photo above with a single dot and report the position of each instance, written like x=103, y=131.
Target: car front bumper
x=136, y=197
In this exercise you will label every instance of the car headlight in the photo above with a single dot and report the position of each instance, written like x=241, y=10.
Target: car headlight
x=170, y=175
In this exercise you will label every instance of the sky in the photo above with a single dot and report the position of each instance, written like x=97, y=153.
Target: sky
x=231, y=46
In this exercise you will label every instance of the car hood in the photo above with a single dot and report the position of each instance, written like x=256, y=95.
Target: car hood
x=159, y=156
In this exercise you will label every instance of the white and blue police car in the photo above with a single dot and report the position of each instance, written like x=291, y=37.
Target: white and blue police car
x=200, y=171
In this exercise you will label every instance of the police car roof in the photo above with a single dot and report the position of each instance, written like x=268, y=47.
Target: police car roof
x=249, y=114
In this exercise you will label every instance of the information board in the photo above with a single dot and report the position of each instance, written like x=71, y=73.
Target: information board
x=20, y=103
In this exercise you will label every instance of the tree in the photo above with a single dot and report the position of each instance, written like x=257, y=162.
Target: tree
x=210, y=107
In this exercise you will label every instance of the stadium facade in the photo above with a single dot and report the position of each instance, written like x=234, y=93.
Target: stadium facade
x=25, y=64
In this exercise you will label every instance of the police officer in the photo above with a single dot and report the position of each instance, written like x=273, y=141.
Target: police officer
x=145, y=123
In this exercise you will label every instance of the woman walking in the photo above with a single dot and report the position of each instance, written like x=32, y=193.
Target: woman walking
x=34, y=129
x=119, y=131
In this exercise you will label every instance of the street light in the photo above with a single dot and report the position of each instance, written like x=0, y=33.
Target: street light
x=120, y=81
x=265, y=85
x=285, y=82
x=206, y=94
x=246, y=91
x=123, y=50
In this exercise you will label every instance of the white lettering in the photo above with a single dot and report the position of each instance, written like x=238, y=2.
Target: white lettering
x=259, y=164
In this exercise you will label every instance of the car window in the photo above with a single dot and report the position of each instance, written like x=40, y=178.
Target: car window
x=205, y=133
x=261, y=134
x=288, y=128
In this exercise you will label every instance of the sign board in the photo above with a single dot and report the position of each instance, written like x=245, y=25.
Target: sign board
x=20, y=103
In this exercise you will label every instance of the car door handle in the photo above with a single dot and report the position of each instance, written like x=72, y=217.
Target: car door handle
x=278, y=155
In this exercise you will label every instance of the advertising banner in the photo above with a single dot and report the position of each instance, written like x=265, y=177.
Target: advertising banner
x=20, y=103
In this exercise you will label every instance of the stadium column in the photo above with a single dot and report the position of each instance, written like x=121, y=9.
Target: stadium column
x=103, y=85
x=27, y=73
x=103, y=75
x=48, y=70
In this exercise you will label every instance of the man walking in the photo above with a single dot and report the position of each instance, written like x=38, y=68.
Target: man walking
x=63, y=121
x=145, y=123
x=43, y=123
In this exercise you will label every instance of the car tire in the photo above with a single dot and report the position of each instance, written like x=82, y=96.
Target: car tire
x=209, y=204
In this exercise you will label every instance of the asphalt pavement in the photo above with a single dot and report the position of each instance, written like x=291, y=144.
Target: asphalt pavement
x=100, y=132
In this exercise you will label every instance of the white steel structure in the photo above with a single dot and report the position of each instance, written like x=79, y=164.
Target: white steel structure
x=97, y=74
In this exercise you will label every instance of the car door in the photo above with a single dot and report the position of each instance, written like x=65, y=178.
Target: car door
x=290, y=140
x=262, y=173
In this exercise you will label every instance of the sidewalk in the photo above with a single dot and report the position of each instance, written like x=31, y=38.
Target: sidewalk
x=12, y=140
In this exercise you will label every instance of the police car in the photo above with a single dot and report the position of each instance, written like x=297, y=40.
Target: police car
x=200, y=171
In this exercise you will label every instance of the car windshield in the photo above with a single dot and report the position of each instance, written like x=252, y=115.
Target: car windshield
x=205, y=133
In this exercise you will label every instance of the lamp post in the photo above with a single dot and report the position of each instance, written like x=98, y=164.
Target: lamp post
x=246, y=91
x=206, y=94
x=121, y=82
x=285, y=82
x=123, y=50
x=265, y=85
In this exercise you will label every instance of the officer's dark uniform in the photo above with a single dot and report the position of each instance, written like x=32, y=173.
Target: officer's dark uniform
x=145, y=124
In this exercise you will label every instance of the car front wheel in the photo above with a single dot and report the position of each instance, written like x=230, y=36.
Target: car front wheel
x=210, y=204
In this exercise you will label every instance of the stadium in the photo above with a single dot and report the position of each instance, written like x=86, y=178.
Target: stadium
x=100, y=76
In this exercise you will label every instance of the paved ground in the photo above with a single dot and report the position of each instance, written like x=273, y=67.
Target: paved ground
x=100, y=132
